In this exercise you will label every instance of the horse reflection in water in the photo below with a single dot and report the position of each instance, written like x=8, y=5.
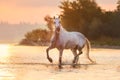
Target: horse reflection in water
x=63, y=39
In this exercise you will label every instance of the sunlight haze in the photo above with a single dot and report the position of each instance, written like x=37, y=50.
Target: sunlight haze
x=14, y=13
x=33, y=11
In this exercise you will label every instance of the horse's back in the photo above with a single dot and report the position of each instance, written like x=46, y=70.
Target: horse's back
x=72, y=39
x=79, y=38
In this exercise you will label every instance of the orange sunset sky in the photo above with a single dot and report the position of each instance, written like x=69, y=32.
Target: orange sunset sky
x=33, y=11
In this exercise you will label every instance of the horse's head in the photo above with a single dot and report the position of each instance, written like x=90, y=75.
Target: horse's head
x=57, y=21
x=57, y=24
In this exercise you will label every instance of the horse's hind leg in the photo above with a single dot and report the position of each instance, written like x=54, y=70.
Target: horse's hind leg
x=76, y=57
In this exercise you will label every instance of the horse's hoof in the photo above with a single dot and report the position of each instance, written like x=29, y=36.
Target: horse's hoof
x=74, y=65
x=60, y=67
x=50, y=60
x=94, y=62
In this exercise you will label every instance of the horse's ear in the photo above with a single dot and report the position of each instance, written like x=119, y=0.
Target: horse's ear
x=54, y=17
x=59, y=17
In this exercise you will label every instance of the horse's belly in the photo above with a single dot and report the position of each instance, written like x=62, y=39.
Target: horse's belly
x=74, y=42
x=70, y=44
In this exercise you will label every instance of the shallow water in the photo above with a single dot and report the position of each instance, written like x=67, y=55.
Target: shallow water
x=30, y=63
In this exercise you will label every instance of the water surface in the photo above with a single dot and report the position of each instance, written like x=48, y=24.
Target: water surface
x=30, y=63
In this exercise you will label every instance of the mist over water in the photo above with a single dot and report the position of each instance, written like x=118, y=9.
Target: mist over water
x=14, y=33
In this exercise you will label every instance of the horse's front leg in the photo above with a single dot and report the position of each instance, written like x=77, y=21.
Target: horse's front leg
x=47, y=51
x=60, y=58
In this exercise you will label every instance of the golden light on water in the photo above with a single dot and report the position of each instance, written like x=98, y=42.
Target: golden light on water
x=4, y=50
x=6, y=75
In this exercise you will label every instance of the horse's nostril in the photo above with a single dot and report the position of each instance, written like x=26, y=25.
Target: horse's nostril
x=58, y=29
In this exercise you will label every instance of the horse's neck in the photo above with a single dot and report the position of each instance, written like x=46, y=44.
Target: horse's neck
x=62, y=29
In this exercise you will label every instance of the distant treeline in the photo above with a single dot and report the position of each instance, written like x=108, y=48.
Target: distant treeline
x=87, y=17
x=36, y=37
x=39, y=36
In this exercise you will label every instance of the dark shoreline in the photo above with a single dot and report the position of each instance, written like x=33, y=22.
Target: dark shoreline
x=105, y=46
x=92, y=46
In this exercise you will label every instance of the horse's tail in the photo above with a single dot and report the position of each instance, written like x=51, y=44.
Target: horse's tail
x=88, y=50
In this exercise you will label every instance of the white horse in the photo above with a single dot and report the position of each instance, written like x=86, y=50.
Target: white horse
x=63, y=39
